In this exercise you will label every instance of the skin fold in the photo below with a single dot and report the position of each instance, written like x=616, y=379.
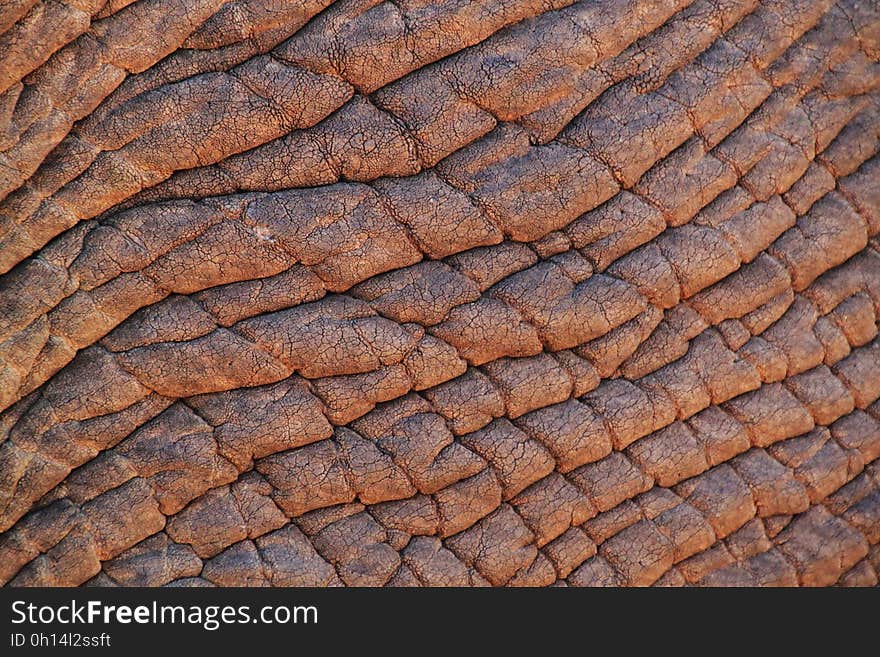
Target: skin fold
x=411, y=293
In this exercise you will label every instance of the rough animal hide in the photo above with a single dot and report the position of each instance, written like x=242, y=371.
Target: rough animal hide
x=439, y=293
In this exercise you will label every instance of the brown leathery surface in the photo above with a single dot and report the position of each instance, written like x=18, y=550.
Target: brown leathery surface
x=493, y=292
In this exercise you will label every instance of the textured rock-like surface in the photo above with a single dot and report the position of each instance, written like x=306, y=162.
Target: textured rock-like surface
x=440, y=293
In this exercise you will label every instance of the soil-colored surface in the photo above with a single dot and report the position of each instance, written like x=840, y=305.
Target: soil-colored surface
x=439, y=293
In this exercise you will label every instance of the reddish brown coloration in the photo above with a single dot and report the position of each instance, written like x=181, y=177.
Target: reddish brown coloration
x=440, y=293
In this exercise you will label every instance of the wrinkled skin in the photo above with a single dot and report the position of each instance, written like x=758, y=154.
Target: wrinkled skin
x=439, y=293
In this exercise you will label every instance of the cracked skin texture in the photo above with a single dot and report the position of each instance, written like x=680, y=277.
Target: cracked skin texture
x=439, y=293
